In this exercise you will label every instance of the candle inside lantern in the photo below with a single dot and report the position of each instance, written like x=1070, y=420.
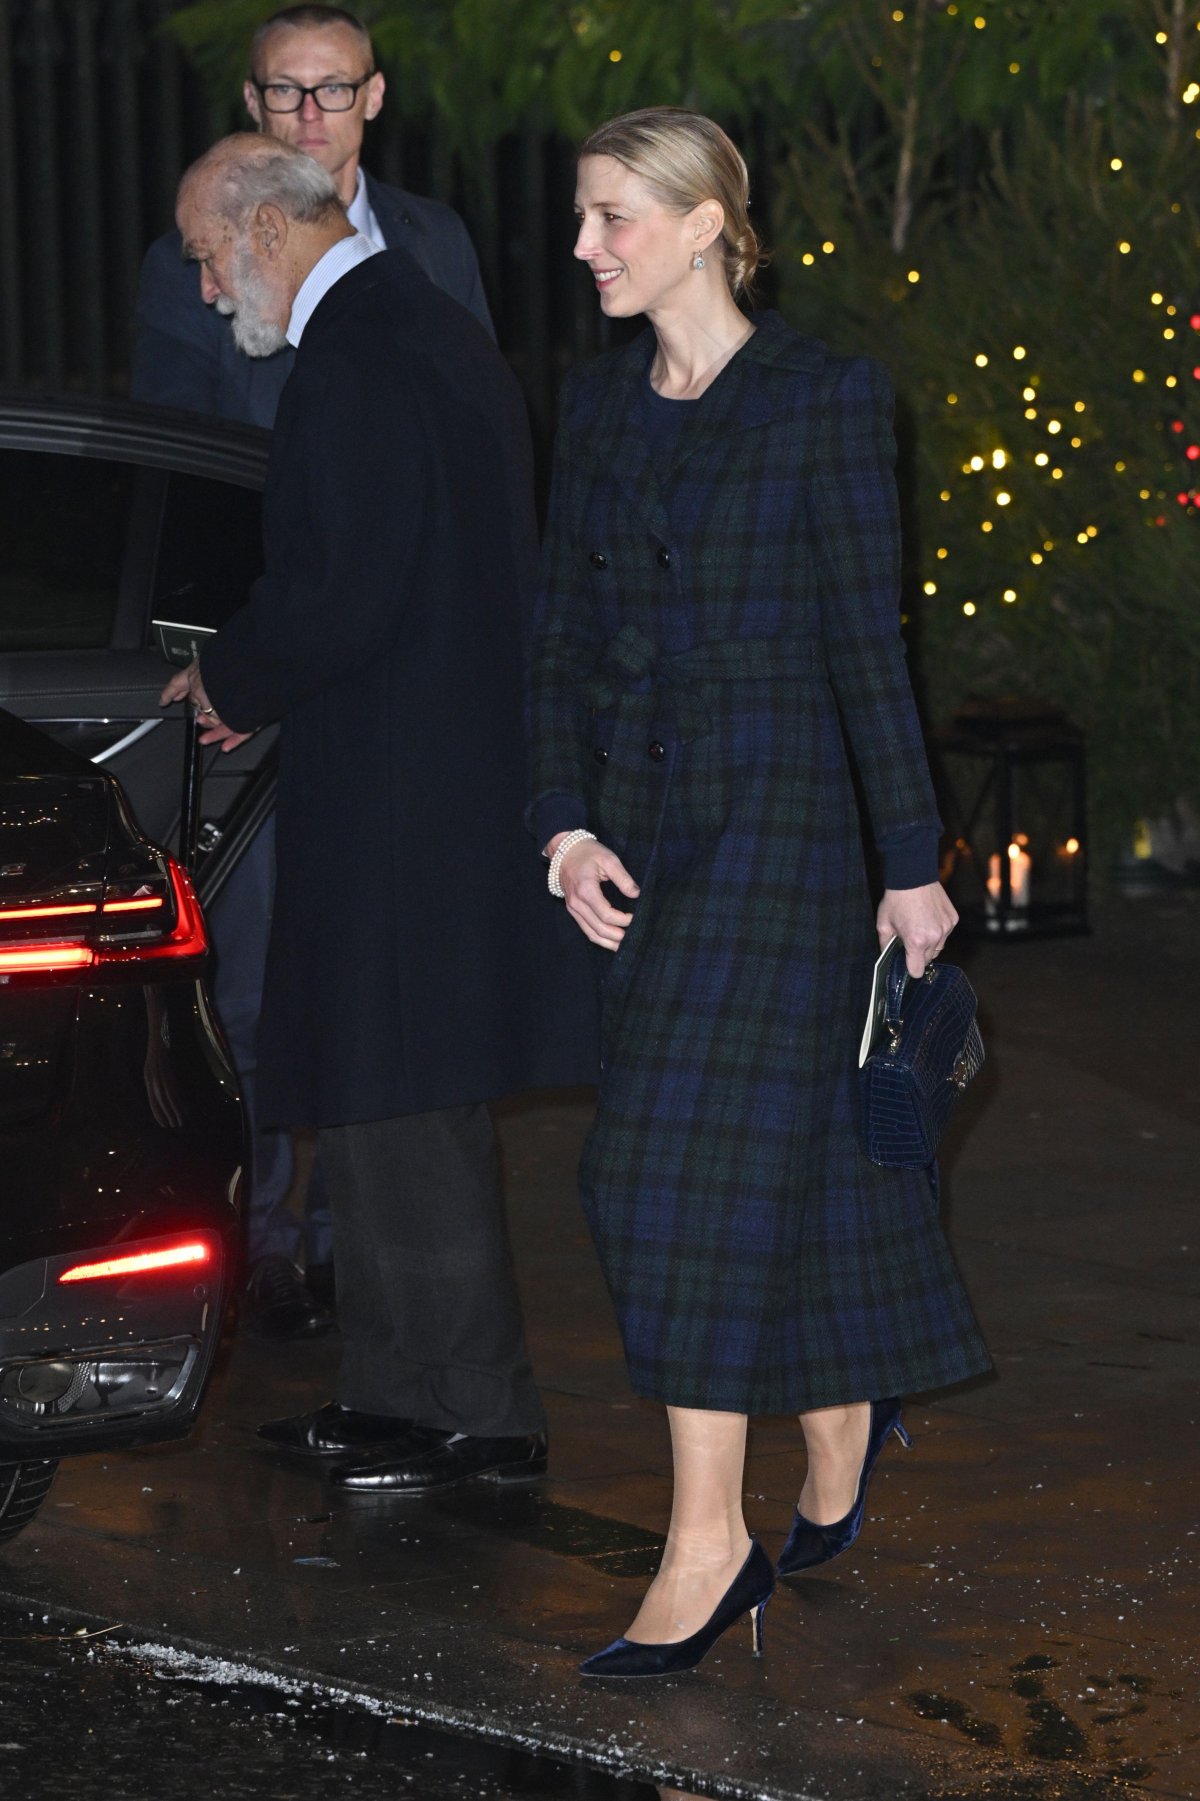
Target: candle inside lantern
x=1020, y=863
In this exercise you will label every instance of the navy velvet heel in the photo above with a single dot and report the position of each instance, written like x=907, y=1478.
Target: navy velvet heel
x=809, y=1544
x=749, y=1592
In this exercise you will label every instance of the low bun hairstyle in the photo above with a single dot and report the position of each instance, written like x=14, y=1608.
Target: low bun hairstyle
x=685, y=158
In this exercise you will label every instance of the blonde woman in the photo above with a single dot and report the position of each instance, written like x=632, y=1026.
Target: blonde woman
x=718, y=643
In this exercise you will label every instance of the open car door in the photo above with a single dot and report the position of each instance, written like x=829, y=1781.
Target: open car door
x=113, y=516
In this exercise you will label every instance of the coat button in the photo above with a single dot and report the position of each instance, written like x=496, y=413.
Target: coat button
x=664, y=557
x=600, y=755
x=655, y=751
x=597, y=559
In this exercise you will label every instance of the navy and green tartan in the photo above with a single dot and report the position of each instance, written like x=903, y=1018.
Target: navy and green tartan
x=718, y=621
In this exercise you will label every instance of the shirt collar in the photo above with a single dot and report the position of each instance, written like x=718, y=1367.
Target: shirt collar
x=361, y=215
x=336, y=262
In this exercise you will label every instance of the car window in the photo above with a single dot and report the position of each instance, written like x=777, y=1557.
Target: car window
x=64, y=528
x=210, y=550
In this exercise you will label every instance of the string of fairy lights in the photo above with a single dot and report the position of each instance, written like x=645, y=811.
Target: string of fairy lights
x=1039, y=444
x=1063, y=426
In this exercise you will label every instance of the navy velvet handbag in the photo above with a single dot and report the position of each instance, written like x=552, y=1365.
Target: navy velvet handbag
x=914, y=1075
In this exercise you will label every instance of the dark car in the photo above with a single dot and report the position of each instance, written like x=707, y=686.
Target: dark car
x=120, y=1125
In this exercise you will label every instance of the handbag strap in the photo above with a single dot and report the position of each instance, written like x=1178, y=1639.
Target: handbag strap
x=897, y=982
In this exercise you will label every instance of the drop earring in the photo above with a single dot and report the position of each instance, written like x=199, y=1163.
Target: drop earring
x=698, y=260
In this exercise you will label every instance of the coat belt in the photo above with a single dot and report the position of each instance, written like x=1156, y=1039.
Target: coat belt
x=632, y=674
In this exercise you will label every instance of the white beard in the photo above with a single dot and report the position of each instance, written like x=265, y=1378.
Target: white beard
x=253, y=333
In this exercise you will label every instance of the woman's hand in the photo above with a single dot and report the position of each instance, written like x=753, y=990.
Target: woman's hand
x=922, y=919
x=580, y=874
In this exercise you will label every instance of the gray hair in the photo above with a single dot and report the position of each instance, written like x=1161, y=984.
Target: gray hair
x=247, y=171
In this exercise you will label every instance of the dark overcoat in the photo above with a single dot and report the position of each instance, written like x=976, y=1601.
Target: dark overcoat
x=718, y=636
x=415, y=962
x=183, y=351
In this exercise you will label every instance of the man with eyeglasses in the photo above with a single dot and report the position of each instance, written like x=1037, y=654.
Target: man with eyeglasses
x=313, y=85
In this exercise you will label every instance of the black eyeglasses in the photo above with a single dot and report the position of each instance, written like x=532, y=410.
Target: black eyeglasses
x=330, y=96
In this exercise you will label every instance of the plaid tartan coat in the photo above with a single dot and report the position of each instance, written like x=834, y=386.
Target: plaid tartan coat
x=717, y=622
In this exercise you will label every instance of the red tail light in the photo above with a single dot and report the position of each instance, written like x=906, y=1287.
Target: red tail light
x=185, y=938
x=133, y=906
x=46, y=956
x=23, y=913
x=193, y=1253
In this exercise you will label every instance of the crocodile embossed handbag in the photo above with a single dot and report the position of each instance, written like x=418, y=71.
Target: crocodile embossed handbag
x=922, y=1059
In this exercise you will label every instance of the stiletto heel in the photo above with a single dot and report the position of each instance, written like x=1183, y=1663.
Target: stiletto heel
x=749, y=1592
x=809, y=1544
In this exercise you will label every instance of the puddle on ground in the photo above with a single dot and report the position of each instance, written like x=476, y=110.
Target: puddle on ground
x=1097, y=1730
x=1053, y=1736
x=929, y=1706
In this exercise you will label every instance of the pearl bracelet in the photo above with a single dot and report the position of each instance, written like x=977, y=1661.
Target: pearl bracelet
x=576, y=837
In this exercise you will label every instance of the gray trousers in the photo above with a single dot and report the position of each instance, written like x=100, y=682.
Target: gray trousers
x=426, y=1299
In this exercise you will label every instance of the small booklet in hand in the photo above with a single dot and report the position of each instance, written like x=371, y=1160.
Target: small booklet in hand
x=877, y=1006
x=181, y=644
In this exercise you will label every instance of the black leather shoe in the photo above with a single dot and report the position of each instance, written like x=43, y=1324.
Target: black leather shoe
x=333, y=1430
x=321, y=1284
x=278, y=1302
x=454, y=1458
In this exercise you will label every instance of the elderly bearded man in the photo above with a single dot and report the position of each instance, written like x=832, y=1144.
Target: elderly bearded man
x=313, y=83
x=413, y=973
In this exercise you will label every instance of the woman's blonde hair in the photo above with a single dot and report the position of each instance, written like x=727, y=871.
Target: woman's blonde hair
x=685, y=158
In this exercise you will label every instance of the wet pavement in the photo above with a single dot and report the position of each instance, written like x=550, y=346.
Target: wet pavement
x=1017, y=1620
x=139, y=1720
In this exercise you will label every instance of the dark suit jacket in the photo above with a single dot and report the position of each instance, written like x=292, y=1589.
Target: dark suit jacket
x=184, y=354
x=416, y=960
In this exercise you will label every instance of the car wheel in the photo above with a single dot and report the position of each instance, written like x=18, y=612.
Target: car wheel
x=23, y=1488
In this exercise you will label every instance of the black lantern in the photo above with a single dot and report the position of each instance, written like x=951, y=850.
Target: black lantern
x=1013, y=799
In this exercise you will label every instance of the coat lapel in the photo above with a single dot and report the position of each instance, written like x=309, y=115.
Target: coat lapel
x=395, y=220
x=744, y=397
x=613, y=437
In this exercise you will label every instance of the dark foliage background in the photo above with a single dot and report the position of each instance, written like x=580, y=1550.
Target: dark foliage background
x=998, y=197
